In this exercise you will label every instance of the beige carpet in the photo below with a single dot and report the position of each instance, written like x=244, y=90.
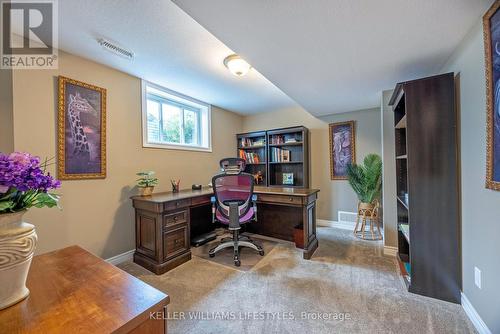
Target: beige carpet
x=347, y=287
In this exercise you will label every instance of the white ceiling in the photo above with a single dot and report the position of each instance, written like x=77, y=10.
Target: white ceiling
x=334, y=56
x=171, y=49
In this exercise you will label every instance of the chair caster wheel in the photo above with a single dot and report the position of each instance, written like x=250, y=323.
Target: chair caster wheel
x=261, y=253
x=211, y=255
x=237, y=263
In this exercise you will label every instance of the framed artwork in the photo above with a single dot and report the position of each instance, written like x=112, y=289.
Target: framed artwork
x=342, y=149
x=491, y=26
x=288, y=179
x=81, y=130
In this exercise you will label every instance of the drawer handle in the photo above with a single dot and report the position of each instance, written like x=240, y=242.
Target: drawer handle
x=177, y=203
x=175, y=218
x=291, y=199
x=177, y=241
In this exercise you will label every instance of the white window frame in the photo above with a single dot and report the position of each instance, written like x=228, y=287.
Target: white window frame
x=184, y=100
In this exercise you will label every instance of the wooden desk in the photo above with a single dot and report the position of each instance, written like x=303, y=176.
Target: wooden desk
x=73, y=291
x=164, y=222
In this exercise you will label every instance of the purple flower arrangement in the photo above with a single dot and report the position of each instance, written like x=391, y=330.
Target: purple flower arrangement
x=24, y=183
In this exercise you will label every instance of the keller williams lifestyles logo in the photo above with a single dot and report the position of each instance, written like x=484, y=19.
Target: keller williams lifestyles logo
x=29, y=34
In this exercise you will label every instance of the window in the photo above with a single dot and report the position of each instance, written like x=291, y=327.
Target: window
x=174, y=121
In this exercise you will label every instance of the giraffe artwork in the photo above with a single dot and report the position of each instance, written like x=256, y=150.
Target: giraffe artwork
x=78, y=105
x=81, y=129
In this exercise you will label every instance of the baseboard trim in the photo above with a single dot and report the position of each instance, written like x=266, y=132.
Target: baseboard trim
x=474, y=316
x=332, y=223
x=120, y=258
x=345, y=225
x=390, y=251
x=324, y=222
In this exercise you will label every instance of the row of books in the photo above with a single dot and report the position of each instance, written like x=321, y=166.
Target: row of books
x=283, y=139
x=250, y=157
x=249, y=142
x=280, y=155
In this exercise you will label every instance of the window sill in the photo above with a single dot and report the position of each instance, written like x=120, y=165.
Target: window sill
x=177, y=147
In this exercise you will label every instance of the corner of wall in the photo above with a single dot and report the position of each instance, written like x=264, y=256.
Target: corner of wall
x=388, y=171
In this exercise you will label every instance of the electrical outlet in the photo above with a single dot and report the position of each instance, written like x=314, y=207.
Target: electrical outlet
x=477, y=277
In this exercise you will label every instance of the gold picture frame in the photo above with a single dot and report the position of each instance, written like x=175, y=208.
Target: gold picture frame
x=81, y=130
x=491, y=183
x=342, y=150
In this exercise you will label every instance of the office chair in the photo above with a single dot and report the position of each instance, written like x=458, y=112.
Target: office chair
x=231, y=206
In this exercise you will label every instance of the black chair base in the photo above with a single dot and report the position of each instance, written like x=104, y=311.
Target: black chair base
x=203, y=239
x=236, y=242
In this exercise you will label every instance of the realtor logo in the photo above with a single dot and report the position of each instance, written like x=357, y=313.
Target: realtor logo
x=29, y=34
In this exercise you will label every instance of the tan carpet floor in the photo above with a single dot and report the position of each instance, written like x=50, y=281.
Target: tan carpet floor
x=348, y=283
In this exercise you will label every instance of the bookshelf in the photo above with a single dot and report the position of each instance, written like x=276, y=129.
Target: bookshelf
x=282, y=154
x=253, y=148
x=288, y=155
x=426, y=159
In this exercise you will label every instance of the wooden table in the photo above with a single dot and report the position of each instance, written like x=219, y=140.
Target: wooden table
x=73, y=291
x=165, y=222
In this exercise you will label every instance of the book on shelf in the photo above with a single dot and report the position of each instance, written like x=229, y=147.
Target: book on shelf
x=280, y=155
x=249, y=142
x=284, y=139
x=249, y=157
x=285, y=155
x=405, y=229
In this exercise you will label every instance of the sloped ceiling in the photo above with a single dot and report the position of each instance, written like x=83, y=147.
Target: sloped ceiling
x=171, y=49
x=334, y=56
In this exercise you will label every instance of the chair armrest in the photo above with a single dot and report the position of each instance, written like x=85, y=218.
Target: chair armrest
x=212, y=199
x=254, y=205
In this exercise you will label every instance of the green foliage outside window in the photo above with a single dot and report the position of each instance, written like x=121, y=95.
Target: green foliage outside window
x=171, y=129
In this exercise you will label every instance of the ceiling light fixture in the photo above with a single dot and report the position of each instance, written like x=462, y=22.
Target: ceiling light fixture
x=236, y=65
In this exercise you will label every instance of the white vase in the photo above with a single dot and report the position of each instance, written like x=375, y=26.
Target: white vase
x=17, y=245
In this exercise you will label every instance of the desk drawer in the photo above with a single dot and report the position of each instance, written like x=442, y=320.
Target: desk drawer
x=200, y=200
x=284, y=199
x=175, y=218
x=175, y=241
x=177, y=204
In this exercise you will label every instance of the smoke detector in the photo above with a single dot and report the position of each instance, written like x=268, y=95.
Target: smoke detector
x=116, y=49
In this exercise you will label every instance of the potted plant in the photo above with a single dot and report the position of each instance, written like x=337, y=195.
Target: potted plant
x=147, y=182
x=24, y=183
x=366, y=180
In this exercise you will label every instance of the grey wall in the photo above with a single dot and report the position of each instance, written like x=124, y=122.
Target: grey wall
x=6, y=115
x=480, y=206
x=389, y=171
x=368, y=140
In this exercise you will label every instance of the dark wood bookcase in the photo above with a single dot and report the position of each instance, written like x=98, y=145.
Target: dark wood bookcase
x=280, y=152
x=427, y=182
x=254, y=143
